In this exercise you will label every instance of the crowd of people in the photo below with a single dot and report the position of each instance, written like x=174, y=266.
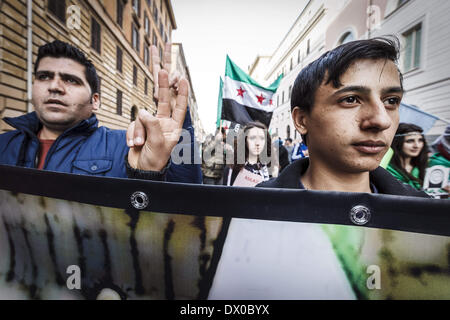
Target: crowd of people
x=346, y=121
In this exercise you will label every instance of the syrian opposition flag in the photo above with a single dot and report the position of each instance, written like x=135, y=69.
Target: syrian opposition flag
x=243, y=99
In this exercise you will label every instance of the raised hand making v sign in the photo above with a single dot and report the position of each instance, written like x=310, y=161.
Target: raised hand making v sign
x=152, y=138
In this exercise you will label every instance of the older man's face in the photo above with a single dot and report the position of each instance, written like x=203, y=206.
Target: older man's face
x=350, y=128
x=62, y=96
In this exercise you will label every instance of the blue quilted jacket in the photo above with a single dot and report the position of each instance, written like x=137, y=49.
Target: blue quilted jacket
x=83, y=149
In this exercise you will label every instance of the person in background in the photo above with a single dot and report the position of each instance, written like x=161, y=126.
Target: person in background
x=300, y=150
x=251, y=166
x=442, y=156
x=289, y=147
x=214, y=156
x=442, y=146
x=410, y=159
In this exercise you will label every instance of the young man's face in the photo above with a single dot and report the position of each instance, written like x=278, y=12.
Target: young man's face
x=62, y=96
x=350, y=128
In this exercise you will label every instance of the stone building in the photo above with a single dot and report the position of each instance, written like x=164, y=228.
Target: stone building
x=115, y=34
x=179, y=63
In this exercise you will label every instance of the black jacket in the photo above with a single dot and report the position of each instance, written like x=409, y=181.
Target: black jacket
x=383, y=180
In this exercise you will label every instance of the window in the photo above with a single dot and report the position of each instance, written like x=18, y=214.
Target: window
x=134, y=111
x=161, y=30
x=288, y=131
x=298, y=57
x=146, y=86
x=119, y=55
x=155, y=12
x=278, y=100
x=135, y=75
x=155, y=39
x=308, y=48
x=411, y=57
x=347, y=37
x=282, y=97
x=119, y=102
x=137, y=7
x=149, y=3
x=290, y=91
x=146, y=56
x=58, y=8
x=147, y=25
x=95, y=35
x=292, y=64
x=119, y=18
x=135, y=38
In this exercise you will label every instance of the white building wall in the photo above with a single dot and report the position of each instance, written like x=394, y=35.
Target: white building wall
x=427, y=87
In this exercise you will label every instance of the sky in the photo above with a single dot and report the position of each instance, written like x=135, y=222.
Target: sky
x=243, y=29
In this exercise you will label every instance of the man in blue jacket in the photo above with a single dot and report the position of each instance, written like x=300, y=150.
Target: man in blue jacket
x=63, y=134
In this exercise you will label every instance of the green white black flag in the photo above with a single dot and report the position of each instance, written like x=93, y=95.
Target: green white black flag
x=244, y=100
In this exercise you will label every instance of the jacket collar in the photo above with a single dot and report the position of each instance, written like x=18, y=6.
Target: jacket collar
x=382, y=180
x=30, y=124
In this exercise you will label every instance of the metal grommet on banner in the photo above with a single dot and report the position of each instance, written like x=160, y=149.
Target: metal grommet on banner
x=139, y=200
x=360, y=215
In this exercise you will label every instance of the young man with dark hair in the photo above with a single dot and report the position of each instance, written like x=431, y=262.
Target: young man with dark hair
x=63, y=134
x=345, y=105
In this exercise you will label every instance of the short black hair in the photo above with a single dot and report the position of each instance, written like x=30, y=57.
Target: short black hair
x=60, y=49
x=335, y=63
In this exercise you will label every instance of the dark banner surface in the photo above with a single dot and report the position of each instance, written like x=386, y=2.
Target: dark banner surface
x=66, y=236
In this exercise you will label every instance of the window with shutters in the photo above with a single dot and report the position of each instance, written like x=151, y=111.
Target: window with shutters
x=135, y=75
x=119, y=54
x=146, y=56
x=155, y=12
x=146, y=25
x=412, y=50
x=95, y=35
x=58, y=9
x=146, y=86
x=135, y=37
x=119, y=102
x=155, y=39
x=119, y=13
x=137, y=7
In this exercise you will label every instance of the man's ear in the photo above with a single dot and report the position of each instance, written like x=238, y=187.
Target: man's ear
x=299, y=117
x=95, y=101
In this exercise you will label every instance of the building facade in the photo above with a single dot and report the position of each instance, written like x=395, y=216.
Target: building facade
x=422, y=27
x=303, y=43
x=179, y=64
x=115, y=34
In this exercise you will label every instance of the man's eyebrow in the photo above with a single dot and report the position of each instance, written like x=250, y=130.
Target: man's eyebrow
x=360, y=89
x=366, y=90
x=45, y=72
x=69, y=75
x=392, y=90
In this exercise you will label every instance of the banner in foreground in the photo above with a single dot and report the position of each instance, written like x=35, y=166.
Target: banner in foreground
x=68, y=236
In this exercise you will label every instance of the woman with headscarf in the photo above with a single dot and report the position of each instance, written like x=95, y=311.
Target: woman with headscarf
x=410, y=159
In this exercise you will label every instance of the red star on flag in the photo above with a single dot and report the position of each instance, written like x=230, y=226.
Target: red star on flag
x=270, y=102
x=260, y=98
x=240, y=92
